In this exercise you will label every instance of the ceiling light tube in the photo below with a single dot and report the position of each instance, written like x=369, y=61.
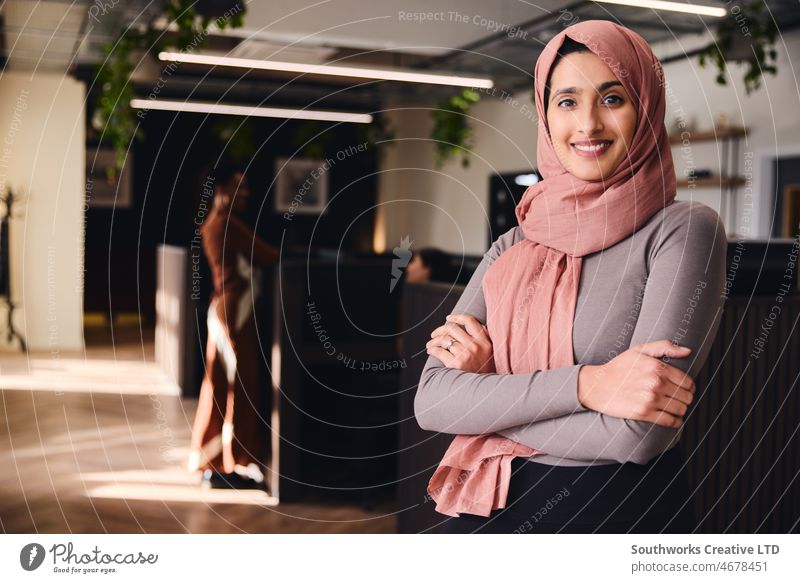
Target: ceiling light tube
x=671, y=6
x=406, y=76
x=249, y=110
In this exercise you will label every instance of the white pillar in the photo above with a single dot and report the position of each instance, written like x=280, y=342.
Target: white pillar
x=43, y=157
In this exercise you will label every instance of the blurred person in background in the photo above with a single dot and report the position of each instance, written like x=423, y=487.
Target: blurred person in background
x=429, y=264
x=227, y=438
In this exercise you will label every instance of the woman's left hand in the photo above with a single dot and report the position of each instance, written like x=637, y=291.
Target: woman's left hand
x=470, y=348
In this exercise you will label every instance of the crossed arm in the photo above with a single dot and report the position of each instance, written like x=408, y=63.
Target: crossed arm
x=541, y=409
x=242, y=237
x=450, y=400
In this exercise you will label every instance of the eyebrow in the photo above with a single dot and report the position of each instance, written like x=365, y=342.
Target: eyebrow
x=602, y=87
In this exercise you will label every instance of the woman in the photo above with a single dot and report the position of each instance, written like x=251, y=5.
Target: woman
x=227, y=439
x=599, y=309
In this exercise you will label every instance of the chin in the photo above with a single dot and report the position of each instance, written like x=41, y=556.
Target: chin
x=593, y=172
x=590, y=174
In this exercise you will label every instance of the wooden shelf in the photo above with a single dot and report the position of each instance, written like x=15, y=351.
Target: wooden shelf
x=728, y=180
x=712, y=135
x=713, y=182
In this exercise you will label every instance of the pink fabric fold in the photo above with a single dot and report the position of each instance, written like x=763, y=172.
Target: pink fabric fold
x=531, y=289
x=471, y=476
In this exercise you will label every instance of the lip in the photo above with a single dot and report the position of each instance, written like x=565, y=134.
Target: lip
x=595, y=154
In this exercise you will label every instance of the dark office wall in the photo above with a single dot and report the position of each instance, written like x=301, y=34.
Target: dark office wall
x=168, y=166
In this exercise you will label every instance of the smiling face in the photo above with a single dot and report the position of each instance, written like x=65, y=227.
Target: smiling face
x=590, y=115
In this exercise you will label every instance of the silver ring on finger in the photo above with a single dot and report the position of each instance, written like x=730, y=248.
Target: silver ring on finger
x=449, y=345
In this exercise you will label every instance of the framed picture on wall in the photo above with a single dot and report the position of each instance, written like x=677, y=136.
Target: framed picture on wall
x=301, y=185
x=102, y=192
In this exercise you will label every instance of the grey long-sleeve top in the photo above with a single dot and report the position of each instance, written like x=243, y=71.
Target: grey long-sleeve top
x=665, y=281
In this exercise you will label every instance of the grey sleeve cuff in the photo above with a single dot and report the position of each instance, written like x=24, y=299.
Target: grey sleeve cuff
x=556, y=392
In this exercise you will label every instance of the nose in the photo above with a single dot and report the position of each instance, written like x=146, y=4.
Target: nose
x=589, y=120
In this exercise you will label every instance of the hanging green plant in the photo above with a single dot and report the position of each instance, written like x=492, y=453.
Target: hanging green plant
x=113, y=116
x=193, y=18
x=451, y=133
x=312, y=138
x=235, y=136
x=744, y=36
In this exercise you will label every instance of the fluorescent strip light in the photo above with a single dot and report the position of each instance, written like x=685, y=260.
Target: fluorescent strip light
x=671, y=6
x=249, y=110
x=335, y=70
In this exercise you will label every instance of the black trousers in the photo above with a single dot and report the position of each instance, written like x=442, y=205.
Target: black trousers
x=613, y=498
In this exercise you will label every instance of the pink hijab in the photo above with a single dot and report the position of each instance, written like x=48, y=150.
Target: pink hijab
x=532, y=288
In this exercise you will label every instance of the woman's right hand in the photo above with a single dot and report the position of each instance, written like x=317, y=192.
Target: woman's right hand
x=638, y=385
